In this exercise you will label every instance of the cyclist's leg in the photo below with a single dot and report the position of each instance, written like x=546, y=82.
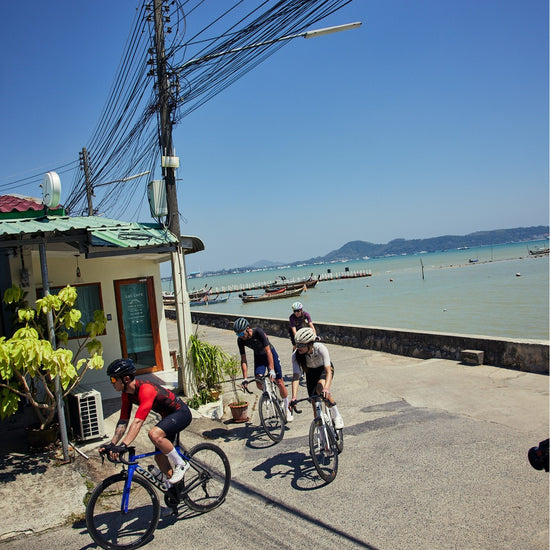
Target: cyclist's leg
x=163, y=435
x=279, y=377
x=259, y=371
x=312, y=380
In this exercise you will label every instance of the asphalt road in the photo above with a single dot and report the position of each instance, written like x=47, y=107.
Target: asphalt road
x=434, y=458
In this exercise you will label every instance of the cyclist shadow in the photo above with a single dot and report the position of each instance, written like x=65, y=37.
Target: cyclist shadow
x=255, y=436
x=296, y=465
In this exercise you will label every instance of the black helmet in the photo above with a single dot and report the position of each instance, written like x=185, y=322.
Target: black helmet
x=121, y=367
x=240, y=325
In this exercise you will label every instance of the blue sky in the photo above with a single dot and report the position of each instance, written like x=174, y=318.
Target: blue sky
x=430, y=119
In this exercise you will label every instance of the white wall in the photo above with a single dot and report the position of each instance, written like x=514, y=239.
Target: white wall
x=62, y=271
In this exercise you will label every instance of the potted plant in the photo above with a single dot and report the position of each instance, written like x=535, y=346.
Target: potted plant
x=239, y=407
x=207, y=360
x=29, y=364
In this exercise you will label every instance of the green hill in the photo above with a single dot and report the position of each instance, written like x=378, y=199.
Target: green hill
x=354, y=250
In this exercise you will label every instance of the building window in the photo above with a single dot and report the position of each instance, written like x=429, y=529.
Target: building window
x=87, y=302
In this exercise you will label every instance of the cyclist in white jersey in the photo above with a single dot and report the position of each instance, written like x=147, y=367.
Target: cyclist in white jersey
x=314, y=359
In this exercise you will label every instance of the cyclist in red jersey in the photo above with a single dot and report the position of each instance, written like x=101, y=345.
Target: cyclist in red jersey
x=148, y=397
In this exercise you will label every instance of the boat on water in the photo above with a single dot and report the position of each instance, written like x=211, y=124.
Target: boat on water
x=206, y=300
x=291, y=286
x=246, y=298
x=309, y=282
x=539, y=251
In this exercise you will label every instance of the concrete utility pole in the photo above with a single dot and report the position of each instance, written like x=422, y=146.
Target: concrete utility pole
x=85, y=164
x=186, y=380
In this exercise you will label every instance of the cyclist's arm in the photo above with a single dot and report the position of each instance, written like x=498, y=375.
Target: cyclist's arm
x=120, y=430
x=133, y=431
x=295, y=377
x=244, y=365
x=328, y=378
x=270, y=364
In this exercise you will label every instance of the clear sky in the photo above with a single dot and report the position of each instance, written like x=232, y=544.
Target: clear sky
x=430, y=119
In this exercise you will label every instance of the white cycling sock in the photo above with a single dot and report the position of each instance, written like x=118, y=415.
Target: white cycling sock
x=175, y=458
x=334, y=411
x=285, y=401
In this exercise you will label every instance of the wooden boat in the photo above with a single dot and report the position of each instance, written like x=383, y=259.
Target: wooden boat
x=246, y=298
x=209, y=300
x=309, y=283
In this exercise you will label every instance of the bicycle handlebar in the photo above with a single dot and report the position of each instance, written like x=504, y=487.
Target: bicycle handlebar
x=106, y=453
x=310, y=398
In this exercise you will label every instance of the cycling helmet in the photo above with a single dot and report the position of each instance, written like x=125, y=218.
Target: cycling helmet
x=297, y=305
x=121, y=367
x=240, y=325
x=305, y=336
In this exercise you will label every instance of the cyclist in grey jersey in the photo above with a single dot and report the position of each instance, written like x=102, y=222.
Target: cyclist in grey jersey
x=314, y=358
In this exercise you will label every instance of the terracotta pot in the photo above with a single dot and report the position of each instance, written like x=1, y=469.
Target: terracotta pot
x=239, y=411
x=38, y=438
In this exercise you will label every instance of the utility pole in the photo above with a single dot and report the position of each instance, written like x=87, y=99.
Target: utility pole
x=85, y=165
x=186, y=379
x=165, y=112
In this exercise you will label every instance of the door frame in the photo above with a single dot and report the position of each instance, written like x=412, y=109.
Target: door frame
x=155, y=332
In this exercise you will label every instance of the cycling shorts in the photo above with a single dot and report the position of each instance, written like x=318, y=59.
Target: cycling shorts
x=313, y=376
x=175, y=422
x=260, y=369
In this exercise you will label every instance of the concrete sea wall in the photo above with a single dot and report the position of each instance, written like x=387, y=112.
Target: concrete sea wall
x=522, y=355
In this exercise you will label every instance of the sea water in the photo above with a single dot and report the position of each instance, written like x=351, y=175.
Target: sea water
x=499, y=290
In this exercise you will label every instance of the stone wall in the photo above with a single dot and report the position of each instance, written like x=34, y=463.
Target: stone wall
x=523, y=355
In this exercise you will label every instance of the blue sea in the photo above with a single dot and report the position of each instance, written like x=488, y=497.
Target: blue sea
x=498, y=290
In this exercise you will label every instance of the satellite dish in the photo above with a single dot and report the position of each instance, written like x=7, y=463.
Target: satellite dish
x=51, y=190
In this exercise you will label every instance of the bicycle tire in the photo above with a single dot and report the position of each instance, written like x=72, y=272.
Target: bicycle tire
x=339, y=438
x=324, y=451
x=112, y=529
x=207, y=478
x=271, y=417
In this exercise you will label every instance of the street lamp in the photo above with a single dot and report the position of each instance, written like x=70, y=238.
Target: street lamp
x=306, y=34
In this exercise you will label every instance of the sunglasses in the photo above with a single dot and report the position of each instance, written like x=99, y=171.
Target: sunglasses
x=113, y=379
x=241, y=334
x=301, y=346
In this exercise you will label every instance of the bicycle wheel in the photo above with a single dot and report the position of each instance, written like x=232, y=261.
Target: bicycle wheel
x=112, y=527
x=206, y=482
x=337, y=435
x=339, y=438
x=323, y=450
x=271, y=417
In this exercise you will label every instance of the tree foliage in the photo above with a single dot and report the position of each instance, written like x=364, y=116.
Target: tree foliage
x=29, y=363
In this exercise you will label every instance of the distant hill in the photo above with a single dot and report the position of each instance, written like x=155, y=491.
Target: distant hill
x=354, y=250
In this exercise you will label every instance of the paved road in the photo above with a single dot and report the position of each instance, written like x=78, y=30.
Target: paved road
x=434, y=458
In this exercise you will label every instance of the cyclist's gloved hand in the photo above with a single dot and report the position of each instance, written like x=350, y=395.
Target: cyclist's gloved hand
x=118, y=449
x=292, y=404
x=272, y=374
x=244, y=384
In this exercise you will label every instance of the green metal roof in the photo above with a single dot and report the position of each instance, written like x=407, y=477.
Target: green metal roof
x=93, y=231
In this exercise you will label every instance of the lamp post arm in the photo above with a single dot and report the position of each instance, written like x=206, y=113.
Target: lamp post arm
x=306, y=34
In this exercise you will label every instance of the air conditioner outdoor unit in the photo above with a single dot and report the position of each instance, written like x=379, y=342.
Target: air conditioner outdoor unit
x=86, y=414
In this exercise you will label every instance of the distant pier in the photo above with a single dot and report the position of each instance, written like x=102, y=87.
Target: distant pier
x=246, y=287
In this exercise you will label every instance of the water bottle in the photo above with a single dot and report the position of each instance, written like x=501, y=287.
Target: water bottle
x=159, y=476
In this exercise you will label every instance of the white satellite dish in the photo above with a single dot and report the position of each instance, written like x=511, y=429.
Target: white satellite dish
x=51, y=190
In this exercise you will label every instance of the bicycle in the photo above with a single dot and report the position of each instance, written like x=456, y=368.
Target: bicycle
x=271, y=409
x=325, y=441
x=124, y=509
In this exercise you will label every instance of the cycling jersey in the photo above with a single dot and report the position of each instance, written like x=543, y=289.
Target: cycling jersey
x=149, y=396
x=319, y=357
x=299, y=322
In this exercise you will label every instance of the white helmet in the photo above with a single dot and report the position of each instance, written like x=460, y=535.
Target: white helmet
x=305, y=336
x=296, y=306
